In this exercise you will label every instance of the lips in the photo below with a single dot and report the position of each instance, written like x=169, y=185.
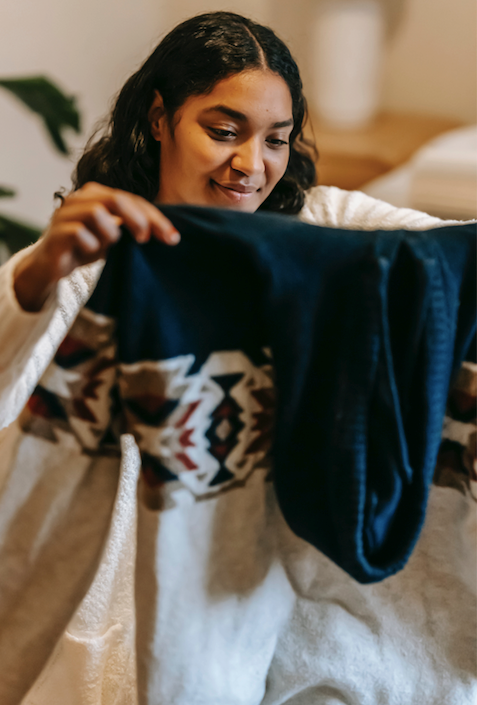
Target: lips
x=239, y=187
x=235, y=193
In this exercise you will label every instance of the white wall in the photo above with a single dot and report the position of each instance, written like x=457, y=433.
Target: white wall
x=432, y=60
x=430, y=63
x=90, y=46
x=258, y=10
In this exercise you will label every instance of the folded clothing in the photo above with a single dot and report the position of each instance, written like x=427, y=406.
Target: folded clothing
x=363, y=330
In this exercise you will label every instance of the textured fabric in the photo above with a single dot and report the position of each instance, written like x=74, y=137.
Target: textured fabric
x=360, y=404
x=234, y=607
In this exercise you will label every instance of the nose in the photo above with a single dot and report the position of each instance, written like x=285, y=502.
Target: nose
x=248, y=157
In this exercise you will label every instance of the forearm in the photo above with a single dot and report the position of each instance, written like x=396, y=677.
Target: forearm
x=32, y=283
x=28, y=340
x=18, y=323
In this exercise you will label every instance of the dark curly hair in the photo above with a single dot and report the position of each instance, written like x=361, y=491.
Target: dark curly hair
x=189, y=61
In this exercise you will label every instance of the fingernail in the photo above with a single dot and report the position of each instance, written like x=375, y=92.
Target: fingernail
x=174, y=237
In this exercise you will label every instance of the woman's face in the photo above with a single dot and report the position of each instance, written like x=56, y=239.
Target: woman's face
x=229, y=147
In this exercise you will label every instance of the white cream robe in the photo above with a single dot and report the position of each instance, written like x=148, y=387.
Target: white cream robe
x=244, y=612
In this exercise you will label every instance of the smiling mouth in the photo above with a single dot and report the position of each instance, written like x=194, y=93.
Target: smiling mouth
x=236, y=191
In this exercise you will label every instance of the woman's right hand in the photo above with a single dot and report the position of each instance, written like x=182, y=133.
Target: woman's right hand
x=81, y=230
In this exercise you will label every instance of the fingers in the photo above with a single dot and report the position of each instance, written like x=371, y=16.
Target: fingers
x=88, y=222
x=142, y=219
x=90, y=216
x=161, y=227
x=66, y=246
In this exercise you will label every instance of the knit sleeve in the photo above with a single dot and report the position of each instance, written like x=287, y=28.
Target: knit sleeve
x=28, y=341
x=332, y=207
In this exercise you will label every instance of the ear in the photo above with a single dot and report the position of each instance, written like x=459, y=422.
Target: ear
x=156, y=116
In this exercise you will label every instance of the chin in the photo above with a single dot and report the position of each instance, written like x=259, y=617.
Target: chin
x=243, y=208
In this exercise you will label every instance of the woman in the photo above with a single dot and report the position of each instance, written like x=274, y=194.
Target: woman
x=213, y=117
x=231, y=607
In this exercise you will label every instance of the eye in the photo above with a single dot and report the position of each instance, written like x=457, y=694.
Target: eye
x=275, y=142
x=220, y=134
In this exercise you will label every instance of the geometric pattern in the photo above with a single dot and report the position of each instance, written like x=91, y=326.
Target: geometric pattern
x=457, y=458
x=205, y=431
x=76, y=393
x=225, y=426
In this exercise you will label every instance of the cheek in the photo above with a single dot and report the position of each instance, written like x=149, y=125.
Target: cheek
x=204, y=153
x=278, y=168
x=284, y=163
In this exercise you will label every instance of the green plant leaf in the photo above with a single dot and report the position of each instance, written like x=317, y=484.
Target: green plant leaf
x=6, y=192
x=16, y=234
x=45, y=99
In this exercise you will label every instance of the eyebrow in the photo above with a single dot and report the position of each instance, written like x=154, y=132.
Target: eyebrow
x=236, y=115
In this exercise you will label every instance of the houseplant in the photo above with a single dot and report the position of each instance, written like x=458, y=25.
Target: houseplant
x=57, y=112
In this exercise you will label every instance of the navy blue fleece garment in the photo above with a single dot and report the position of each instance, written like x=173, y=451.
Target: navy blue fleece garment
x=365, y=328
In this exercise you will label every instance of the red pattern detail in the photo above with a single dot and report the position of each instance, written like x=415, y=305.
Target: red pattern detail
x=225, y=410
x=71, y=345
x=186, y=461
x=150, y=477
x=184, y=438
x=192, y=407
x=221, y=451
x=37, y=406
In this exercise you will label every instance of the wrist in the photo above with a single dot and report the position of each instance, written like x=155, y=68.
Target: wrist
x=33, y=282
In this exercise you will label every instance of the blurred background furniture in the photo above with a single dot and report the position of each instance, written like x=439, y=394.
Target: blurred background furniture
x=351, y=158
x=440, y=178
x=411, y=161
